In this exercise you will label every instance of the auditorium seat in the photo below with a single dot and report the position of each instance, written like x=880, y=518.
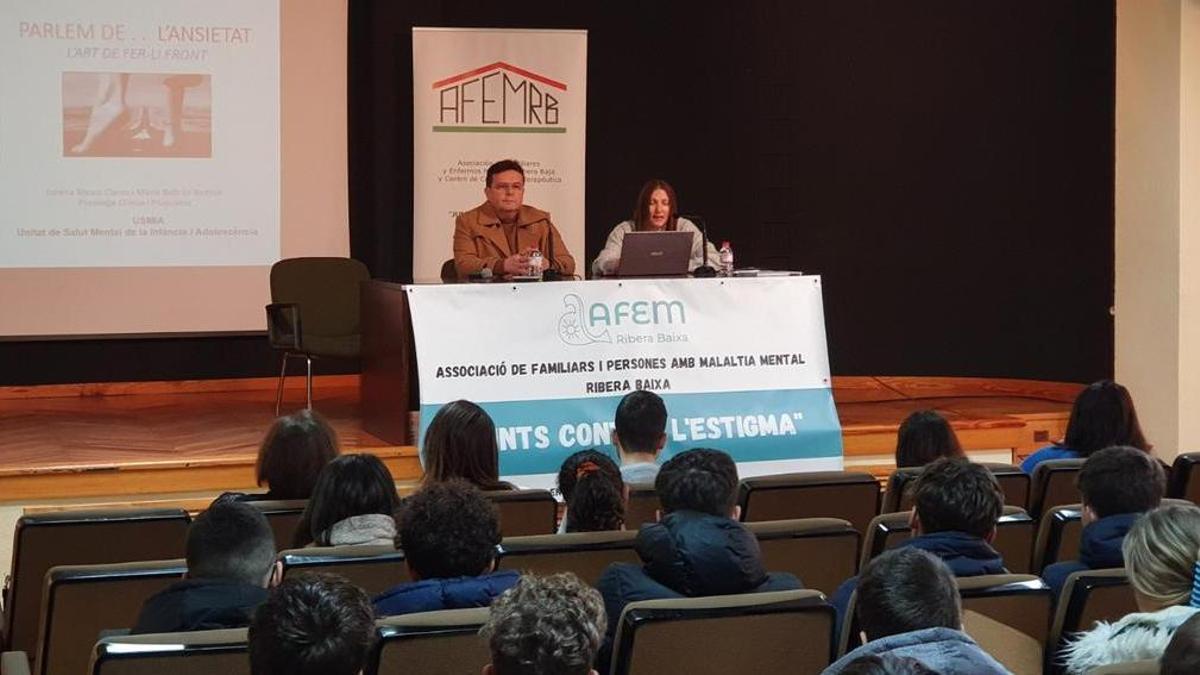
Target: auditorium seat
x=283, y=515
x=432, y=643
x=823, y=552
x=1059, y=533
x=80, y=601
x=1090, y=596
x=1053, y=484
x=1016, y=651
x=1014, y=537
x=373, y=568
x=587, y=554
x=1184, y=478
x=849, y=495
x=84, y=537
x=202, y=652
x=1149, y=667
x=1021, y=601
x=642, y=506
x=525, y=512
x=1014, y=483
x=781, y=632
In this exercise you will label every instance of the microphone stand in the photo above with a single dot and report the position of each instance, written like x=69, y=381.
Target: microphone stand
x=704, y=270
x=550, y=274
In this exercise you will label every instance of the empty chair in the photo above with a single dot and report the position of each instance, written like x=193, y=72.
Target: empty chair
x=822, y=552
x=1090, y=596
x=642, y=506
x=525, y=512
x=1185, y=481
x=781, y=632
x=1014, y=483
x=1020, y=601
x=848, y=495
x=202, y=652
x=432, y=643
x=80, y=601
x=373, y=568
x=1053, y=484
x=586, y=554
x=283, y=515
x=1014, y=537
x=85, y=537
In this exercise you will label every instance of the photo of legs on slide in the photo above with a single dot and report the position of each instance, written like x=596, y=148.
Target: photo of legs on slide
x=137, y=115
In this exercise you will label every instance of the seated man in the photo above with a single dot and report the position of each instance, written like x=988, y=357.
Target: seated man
x=548, y=625
x=956, y=505
x=231, y=563
x=448, y=532
x=500, y=233
x=312, y=625
x=639, y=435
x=1118, y=484
x=697, y=548
x=908, y=606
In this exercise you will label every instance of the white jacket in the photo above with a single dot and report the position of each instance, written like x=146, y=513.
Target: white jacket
x=1136, y=637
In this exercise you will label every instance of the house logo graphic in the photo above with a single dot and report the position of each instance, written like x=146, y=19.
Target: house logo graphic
x=499, y=98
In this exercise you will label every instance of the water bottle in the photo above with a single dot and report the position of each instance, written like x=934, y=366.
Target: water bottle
x=726, y=259
x=535, y=264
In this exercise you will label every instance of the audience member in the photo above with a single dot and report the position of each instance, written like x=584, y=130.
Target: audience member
x=908, y=606
x=1118, y=485
x=697, y=548
x=1103, y=416
x=312, y=625
x=461, y=443
x=449, y=532
x=1160, y=558
x=354, y=502
x=231, y=563
x=1182, y=656
x=639, y=435
x=292, y=455
x=956, y=505
x=925, y=436
x=549, y=625
x=594, y=493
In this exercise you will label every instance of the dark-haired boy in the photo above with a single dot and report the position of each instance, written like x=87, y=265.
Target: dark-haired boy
x=639, y=433
x=448, y=532
x=312, y=625
x=1118, y=484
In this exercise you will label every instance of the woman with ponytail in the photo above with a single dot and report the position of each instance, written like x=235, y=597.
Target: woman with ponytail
x=595, y=494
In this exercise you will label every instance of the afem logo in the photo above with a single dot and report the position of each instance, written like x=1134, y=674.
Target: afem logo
x=499, y=98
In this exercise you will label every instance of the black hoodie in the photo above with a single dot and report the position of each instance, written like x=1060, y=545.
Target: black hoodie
x=200, y=604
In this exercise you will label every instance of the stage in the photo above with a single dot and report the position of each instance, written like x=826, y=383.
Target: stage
x=121, y=440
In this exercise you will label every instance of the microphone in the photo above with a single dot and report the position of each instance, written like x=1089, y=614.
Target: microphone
x=704, y=270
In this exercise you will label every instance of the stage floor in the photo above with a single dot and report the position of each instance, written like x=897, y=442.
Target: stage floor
x=126, y=439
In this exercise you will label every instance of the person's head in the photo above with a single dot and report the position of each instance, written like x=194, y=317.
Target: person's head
x=1120, y=479
x=701, y=480
x=925, y=436
x=1103, y=415
x=505, y=188
x=885, y=664
x=448, y=530
x=312, y=625
x=956, y=495
x=550, y=625
x=1160, y=555
x=595, y=494
x=906, y=589
x=641, y=424
x=1182, y=656
x=656, y=207
x=296, y=448
x=351, y=485
x=461, y=443
x=232, y=540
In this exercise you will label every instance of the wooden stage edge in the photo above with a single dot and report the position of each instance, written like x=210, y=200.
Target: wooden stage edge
x=130, y=439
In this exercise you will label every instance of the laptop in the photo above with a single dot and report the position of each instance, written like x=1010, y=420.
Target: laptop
x=655, y=254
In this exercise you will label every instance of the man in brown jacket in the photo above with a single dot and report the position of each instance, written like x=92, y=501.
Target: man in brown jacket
x=501, y=233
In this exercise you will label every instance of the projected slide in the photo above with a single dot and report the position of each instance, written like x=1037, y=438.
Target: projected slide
x=139, y=134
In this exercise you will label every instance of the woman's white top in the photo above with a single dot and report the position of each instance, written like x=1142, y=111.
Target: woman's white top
x=606, y=262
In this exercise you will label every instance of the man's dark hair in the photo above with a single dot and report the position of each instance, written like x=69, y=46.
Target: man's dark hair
x=312, y=625
x=449, y=530
x=550, y=625
x=231, y=540
x=957, y=495
x=904, y=590
x=701, y=480
x=1121, y=479
x=886, y=664
x=1182, y=656
x=640, y=421
x=502, y=166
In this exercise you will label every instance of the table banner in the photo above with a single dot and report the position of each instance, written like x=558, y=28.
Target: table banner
x=742, y=365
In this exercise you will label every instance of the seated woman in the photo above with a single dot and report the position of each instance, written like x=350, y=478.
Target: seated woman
x=1103, y=416
x=594, y=492
x=461, y=443
x=656, y=210
x=925, y=436
x=354, y=502
x=1160, y=559
x=292, y=455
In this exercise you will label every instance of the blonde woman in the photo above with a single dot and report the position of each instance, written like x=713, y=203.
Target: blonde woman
x=1160, y=551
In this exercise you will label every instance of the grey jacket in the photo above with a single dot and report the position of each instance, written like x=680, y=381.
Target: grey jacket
x=942, y=650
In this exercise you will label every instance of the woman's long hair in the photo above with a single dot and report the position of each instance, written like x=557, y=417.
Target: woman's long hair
x=1103, y=416
x=461, y=443
x=641, y=211
x=292, y=454
x=351, y=485
x=592, y=487
x=925, y=436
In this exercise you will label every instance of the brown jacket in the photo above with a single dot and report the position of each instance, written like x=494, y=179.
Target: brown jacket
x=479, y=240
